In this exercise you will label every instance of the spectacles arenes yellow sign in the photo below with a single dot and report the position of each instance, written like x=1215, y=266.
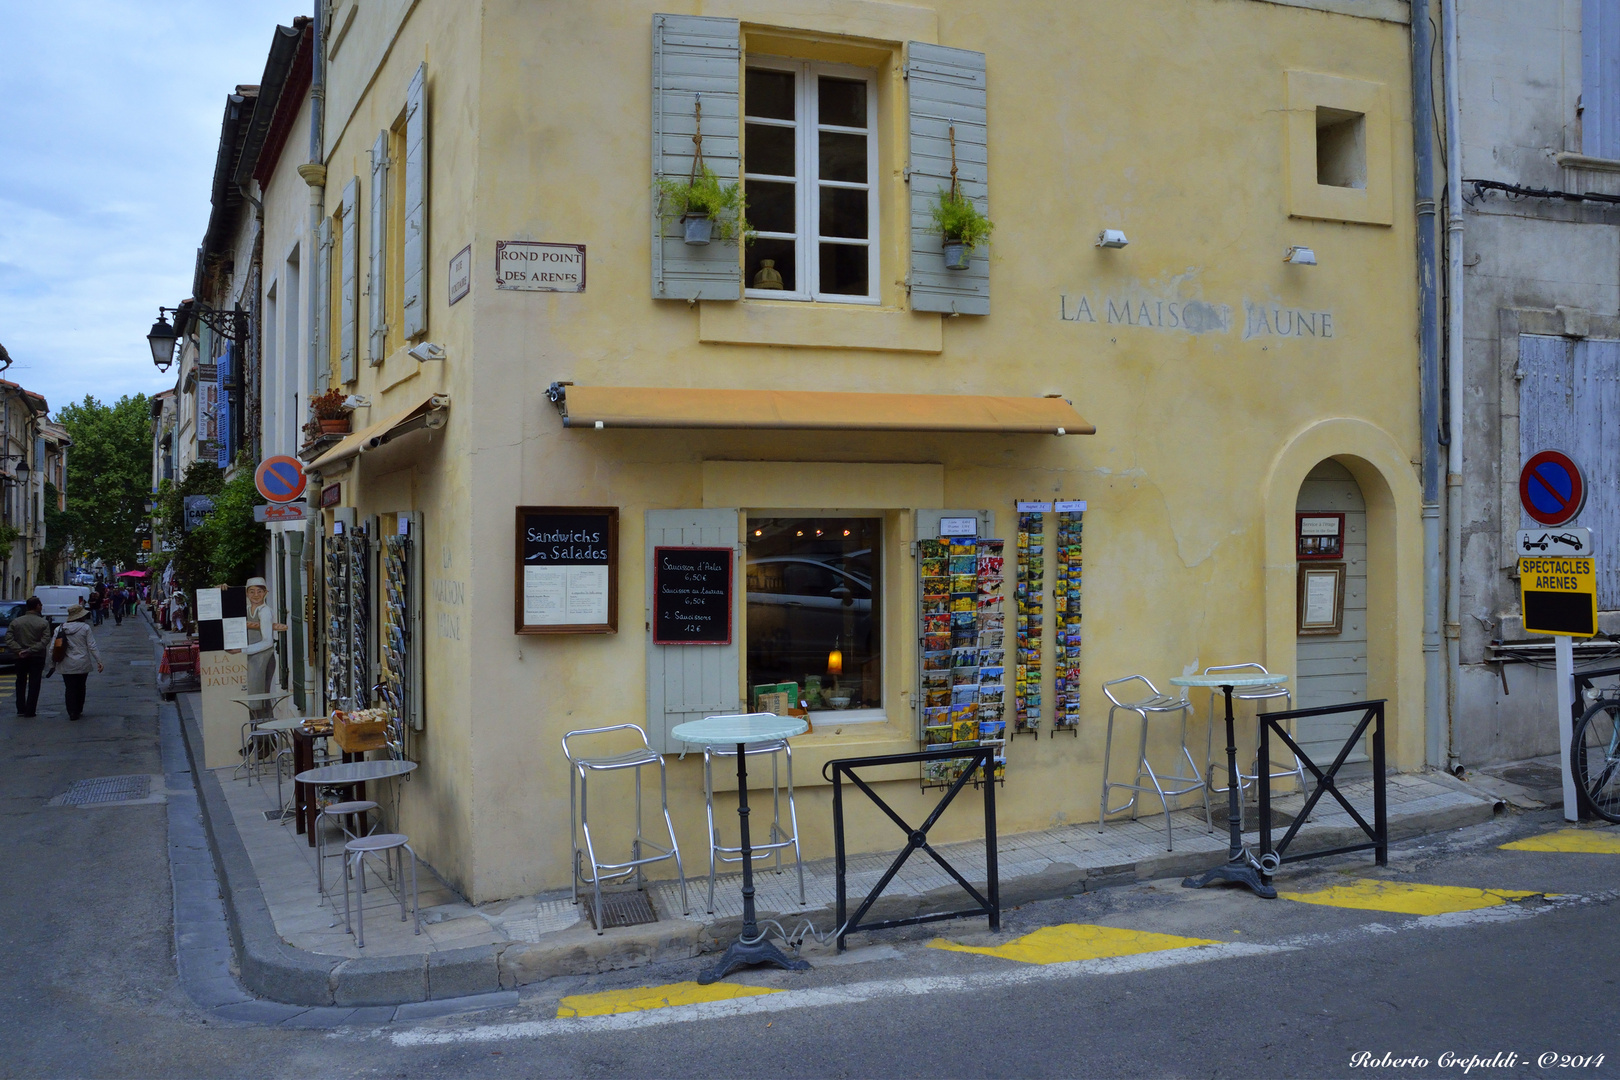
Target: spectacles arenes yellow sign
x=1558, y=595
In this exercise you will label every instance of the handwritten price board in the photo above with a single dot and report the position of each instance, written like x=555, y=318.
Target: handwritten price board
x=692, y=596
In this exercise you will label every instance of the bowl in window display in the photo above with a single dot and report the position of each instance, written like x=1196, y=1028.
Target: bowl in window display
x=839, y=701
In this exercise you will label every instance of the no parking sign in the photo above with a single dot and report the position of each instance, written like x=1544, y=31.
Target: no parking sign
x=280, y=478
x=1552, y=488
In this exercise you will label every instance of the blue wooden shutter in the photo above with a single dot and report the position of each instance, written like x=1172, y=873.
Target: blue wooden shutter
x=349, y=283
x=416, y=277
x=222, y=407
x=689, y=682
x=946, y=87
x=1600, y=78
x=693, y=56
x=377, y=255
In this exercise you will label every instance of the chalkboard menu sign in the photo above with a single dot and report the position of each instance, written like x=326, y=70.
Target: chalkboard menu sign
x=567, y=570
x=692, y=596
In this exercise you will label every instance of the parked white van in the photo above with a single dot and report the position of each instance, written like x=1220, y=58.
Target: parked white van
x=58, y=598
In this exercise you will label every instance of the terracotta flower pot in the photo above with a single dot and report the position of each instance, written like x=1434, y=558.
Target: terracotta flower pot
x=339, y=426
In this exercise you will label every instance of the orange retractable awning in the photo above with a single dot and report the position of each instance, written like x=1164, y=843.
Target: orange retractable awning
x=813, y=410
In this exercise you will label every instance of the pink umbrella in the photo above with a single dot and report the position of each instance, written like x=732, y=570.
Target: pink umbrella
x=133, y=573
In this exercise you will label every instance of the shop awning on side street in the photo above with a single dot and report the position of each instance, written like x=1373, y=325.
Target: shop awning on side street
x=813, y=410
x=428, y=412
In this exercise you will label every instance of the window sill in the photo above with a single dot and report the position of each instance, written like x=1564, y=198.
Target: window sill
x=1590, y=164
x=797, y=324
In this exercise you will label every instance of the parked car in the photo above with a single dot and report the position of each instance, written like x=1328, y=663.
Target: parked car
x=9, y=609
x=58, y=598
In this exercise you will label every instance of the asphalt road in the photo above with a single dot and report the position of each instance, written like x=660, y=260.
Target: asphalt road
x=88, y=984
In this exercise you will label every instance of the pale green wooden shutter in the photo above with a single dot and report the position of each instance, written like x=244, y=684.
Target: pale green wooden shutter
x=377, y=254
x=946, y=87
x=694, y=56
x=416, y=277
x=349, y=282
x=689, y=682
x=320, y=346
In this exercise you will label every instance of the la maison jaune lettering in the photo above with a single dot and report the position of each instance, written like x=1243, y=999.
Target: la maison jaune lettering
x=1260, y=320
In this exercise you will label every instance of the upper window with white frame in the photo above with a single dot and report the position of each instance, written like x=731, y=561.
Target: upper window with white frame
x=810, y=174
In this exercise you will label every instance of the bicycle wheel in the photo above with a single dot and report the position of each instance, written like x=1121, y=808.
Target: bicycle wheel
x=1595, y=756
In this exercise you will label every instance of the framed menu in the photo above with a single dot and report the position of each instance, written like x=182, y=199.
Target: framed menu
x=692, y=596
x=1321, y=599
x=567, y=579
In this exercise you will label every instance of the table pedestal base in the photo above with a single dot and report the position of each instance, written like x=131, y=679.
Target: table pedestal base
x=1238, y=874
x=742, y=954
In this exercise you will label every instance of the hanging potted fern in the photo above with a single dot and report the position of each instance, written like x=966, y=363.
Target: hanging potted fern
x=958, y=222
x=707, y=208
x=961, y=227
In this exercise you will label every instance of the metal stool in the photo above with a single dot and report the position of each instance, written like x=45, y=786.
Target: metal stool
x=257, y=746
x=1246, y=693
x=579, y=818
x=338, y=811
x=780, y=838
x=1154, y=703
x=354, y=860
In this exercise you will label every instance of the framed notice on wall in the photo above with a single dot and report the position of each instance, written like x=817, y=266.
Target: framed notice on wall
x=1321, y=599
x=692, y=596
x=567, y=570
x=1318, y=536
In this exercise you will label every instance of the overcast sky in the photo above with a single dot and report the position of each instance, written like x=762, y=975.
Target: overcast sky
x=109, y=123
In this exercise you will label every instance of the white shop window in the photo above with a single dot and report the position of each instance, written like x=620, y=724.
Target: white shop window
x=810, y=177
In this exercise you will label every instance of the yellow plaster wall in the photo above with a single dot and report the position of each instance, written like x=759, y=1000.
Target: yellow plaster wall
x=1164, y=118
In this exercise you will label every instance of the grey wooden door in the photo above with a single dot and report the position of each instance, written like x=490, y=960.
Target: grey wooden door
x=1333, y=668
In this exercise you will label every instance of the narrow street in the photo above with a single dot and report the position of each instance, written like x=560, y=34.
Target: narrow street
x=1144, y=980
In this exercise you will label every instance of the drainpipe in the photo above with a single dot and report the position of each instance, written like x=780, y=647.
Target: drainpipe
x=314, y=174
x=1454, y=369
x=1434, y=670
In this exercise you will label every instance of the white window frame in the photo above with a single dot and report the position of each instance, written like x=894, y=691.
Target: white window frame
x=807, y=204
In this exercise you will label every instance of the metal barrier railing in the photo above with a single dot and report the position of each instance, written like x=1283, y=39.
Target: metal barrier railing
x=978, y=757
x=1378, y=832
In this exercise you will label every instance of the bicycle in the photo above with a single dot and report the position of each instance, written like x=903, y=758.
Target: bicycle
x=1594, y=755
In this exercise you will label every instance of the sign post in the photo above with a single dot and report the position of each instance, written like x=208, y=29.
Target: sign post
x=1558, y=590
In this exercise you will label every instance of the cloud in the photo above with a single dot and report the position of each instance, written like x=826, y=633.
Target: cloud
x=109, y=123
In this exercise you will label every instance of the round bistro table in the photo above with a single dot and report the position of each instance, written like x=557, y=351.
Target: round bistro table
x=350, y=774
x=751, y=947
x=1240, y=867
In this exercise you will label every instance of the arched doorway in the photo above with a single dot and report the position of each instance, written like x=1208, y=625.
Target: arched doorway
x=1332, y=661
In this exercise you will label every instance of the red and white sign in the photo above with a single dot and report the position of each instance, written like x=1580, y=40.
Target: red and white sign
x=296, y=511
x=1552, y=488
x=280, y=478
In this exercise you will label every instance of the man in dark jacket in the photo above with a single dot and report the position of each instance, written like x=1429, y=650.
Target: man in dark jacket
x=29, y=636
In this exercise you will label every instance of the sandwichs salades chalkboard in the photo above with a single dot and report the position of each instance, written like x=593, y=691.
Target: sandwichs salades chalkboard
x=567, y=570
x=692, y=596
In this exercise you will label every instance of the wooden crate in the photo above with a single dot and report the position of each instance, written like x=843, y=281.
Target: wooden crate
x=358, y=736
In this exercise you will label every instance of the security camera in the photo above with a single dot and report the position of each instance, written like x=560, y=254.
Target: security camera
x=355, y=401
x=1111, y=238
x=426, y=351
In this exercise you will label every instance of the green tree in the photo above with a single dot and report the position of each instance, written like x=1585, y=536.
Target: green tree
x=191, y=552
x=234, y=541
x=59, y=525
x=109, y=474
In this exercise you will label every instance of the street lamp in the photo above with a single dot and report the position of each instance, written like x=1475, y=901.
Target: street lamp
x=162, y=339
x=232, y=324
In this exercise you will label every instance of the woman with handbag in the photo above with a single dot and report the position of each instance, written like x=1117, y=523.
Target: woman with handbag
x=72, y=650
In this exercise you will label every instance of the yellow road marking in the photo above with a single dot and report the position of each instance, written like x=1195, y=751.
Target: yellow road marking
x=642, y=998
x=1075, y=941
x=1583, y=841
x=1405, y=898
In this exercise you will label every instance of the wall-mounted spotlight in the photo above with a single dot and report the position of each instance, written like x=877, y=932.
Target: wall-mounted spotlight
x=355, y=401
x=1111, y=238
x=1300, y=256
x=426, y=350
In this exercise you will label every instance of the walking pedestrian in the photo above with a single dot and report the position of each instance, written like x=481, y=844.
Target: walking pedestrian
x=29, y=635
x=98, y=596
x=119, y=599
x=76, y=644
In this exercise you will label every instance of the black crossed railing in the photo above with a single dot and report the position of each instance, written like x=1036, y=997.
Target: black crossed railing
x=1377, y=833
x=978, y=758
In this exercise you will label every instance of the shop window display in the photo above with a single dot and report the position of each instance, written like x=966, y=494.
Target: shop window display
x=814, y=604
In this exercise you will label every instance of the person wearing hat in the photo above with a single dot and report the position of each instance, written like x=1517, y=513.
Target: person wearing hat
x=262, y=628
x=78, y=646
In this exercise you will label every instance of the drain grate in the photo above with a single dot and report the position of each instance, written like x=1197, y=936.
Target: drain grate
x=621, y=909
x=106, y=789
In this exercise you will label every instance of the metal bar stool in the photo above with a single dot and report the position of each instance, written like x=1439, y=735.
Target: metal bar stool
x=339, y=812
x=780, y=838
x=1154, y=703
x=1247, y=693
x=579, y=818
x=354, y=864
